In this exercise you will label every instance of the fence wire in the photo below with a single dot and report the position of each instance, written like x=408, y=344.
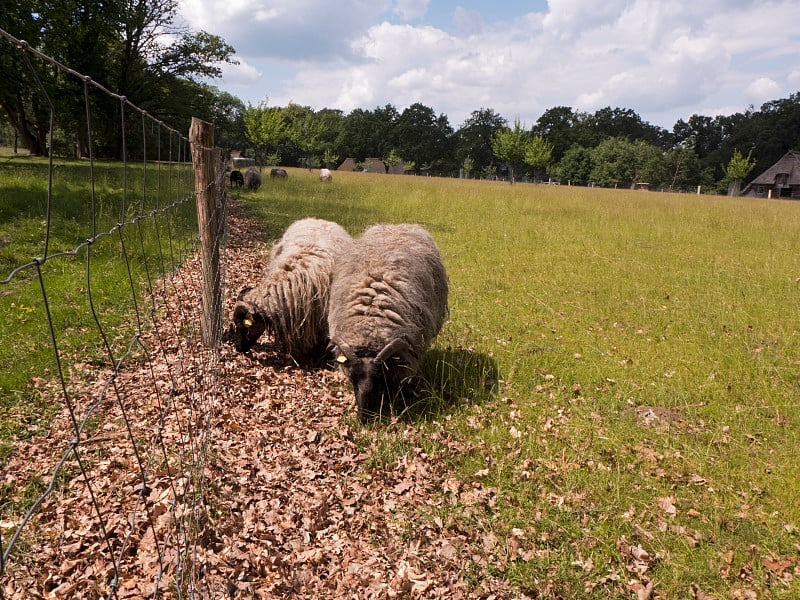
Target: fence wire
x=104, y=455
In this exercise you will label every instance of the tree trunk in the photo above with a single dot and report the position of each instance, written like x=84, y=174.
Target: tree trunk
x=22, y=132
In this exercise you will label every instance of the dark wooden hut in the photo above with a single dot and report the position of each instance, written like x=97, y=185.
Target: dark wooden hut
x=781, y=180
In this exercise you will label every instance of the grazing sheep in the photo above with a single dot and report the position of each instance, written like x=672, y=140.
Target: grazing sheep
x=292, y=299
x=252, y=179
x=388, y=301
x=325, y=175
x=237, y=179
x=278, y=173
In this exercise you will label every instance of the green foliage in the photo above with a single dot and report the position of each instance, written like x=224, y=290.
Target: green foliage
x=133, y=49
x=474, y=139
x=575, y=166
x=618, y=162
x=468, y=165
x=511, y=145
x=740, y=166
x=265, y=128
x=538, y=152
x=422, y=137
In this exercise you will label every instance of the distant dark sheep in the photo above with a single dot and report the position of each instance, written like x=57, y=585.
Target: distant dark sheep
x=237, y=178
x=278, y=173
x=252, y=179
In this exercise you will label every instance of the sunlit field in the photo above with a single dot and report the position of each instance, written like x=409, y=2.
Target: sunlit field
x=119, y=260
x=638, y=356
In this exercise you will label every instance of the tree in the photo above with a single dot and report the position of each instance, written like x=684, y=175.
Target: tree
x=510, y=146
x=538, y=153
x=558, y=126
x=265, y=128
x=738, y=169
x=621, y=162
x=422, y=137
x=474, y=138
x=575, y=166
x=367, y=134
x=226, y=113
x=130, y=47
x=468, y=166
x=306, y=129
x=621, y=122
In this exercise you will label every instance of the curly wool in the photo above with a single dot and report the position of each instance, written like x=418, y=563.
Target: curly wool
x=293, y=296
x=388, y=301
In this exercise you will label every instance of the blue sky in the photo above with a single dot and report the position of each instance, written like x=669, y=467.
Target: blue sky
x=665, y=60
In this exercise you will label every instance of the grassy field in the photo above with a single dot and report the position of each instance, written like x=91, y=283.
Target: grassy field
x=644, y=428
x=153, y=246
x=631, y=374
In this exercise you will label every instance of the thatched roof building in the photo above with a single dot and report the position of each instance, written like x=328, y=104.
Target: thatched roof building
x=781, y=180
x=349, y=164
x=374, y=165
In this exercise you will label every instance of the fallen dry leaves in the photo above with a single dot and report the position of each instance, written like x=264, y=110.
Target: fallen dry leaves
x=292, y=508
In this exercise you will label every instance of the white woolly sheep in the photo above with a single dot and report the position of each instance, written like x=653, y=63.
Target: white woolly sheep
x=325, y=175
x=252, y=179
x=292, y=299
x=388, y=301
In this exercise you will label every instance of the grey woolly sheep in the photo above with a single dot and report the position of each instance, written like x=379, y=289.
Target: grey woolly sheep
x=237, y=178
x=388, y=301
x=292, y=299
x=252, y=179
x=278, y=173
x=325, y=175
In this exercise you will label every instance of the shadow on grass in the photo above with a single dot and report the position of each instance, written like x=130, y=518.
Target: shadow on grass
x=448, y=378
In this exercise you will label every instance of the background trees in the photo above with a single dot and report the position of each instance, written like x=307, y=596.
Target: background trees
x=136, y=48
x=131, y=47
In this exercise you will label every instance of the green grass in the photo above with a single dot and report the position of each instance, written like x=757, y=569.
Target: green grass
x=154, y=245
x=643, y=351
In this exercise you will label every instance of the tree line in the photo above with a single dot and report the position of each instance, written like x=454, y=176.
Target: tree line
x=609, y=147
x=134, y=48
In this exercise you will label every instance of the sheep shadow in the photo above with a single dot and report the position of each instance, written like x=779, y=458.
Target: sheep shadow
x=268, y=353
x=448, y=378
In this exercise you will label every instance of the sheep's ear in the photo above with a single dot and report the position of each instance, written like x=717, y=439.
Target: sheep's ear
x=396, y=346
x=243, y=313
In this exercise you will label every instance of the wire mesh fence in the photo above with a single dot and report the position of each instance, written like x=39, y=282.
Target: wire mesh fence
x=108, y=389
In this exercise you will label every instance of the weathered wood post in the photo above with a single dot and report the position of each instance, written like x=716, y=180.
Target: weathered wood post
x=209, y=209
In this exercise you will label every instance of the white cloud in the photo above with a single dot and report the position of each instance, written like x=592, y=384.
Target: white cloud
x=762, y=90
x=241, y=74
x=665, y=60
x=409, y=10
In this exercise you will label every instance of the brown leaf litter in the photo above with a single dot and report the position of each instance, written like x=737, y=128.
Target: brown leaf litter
x=293, y=507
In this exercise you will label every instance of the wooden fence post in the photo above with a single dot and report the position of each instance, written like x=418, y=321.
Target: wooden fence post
x=209, y=208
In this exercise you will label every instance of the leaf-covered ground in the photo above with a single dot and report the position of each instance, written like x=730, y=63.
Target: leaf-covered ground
x=303, y=511
x=296, y=504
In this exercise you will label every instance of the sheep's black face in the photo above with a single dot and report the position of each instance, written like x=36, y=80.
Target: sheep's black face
x=248, y=324
x=376, y=384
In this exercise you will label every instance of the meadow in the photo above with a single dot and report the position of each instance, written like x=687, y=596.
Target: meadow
x=628, y=364
x=640, y=356
x=117, y=271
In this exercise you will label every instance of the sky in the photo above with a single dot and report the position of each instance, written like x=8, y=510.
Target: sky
x=664, y=60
